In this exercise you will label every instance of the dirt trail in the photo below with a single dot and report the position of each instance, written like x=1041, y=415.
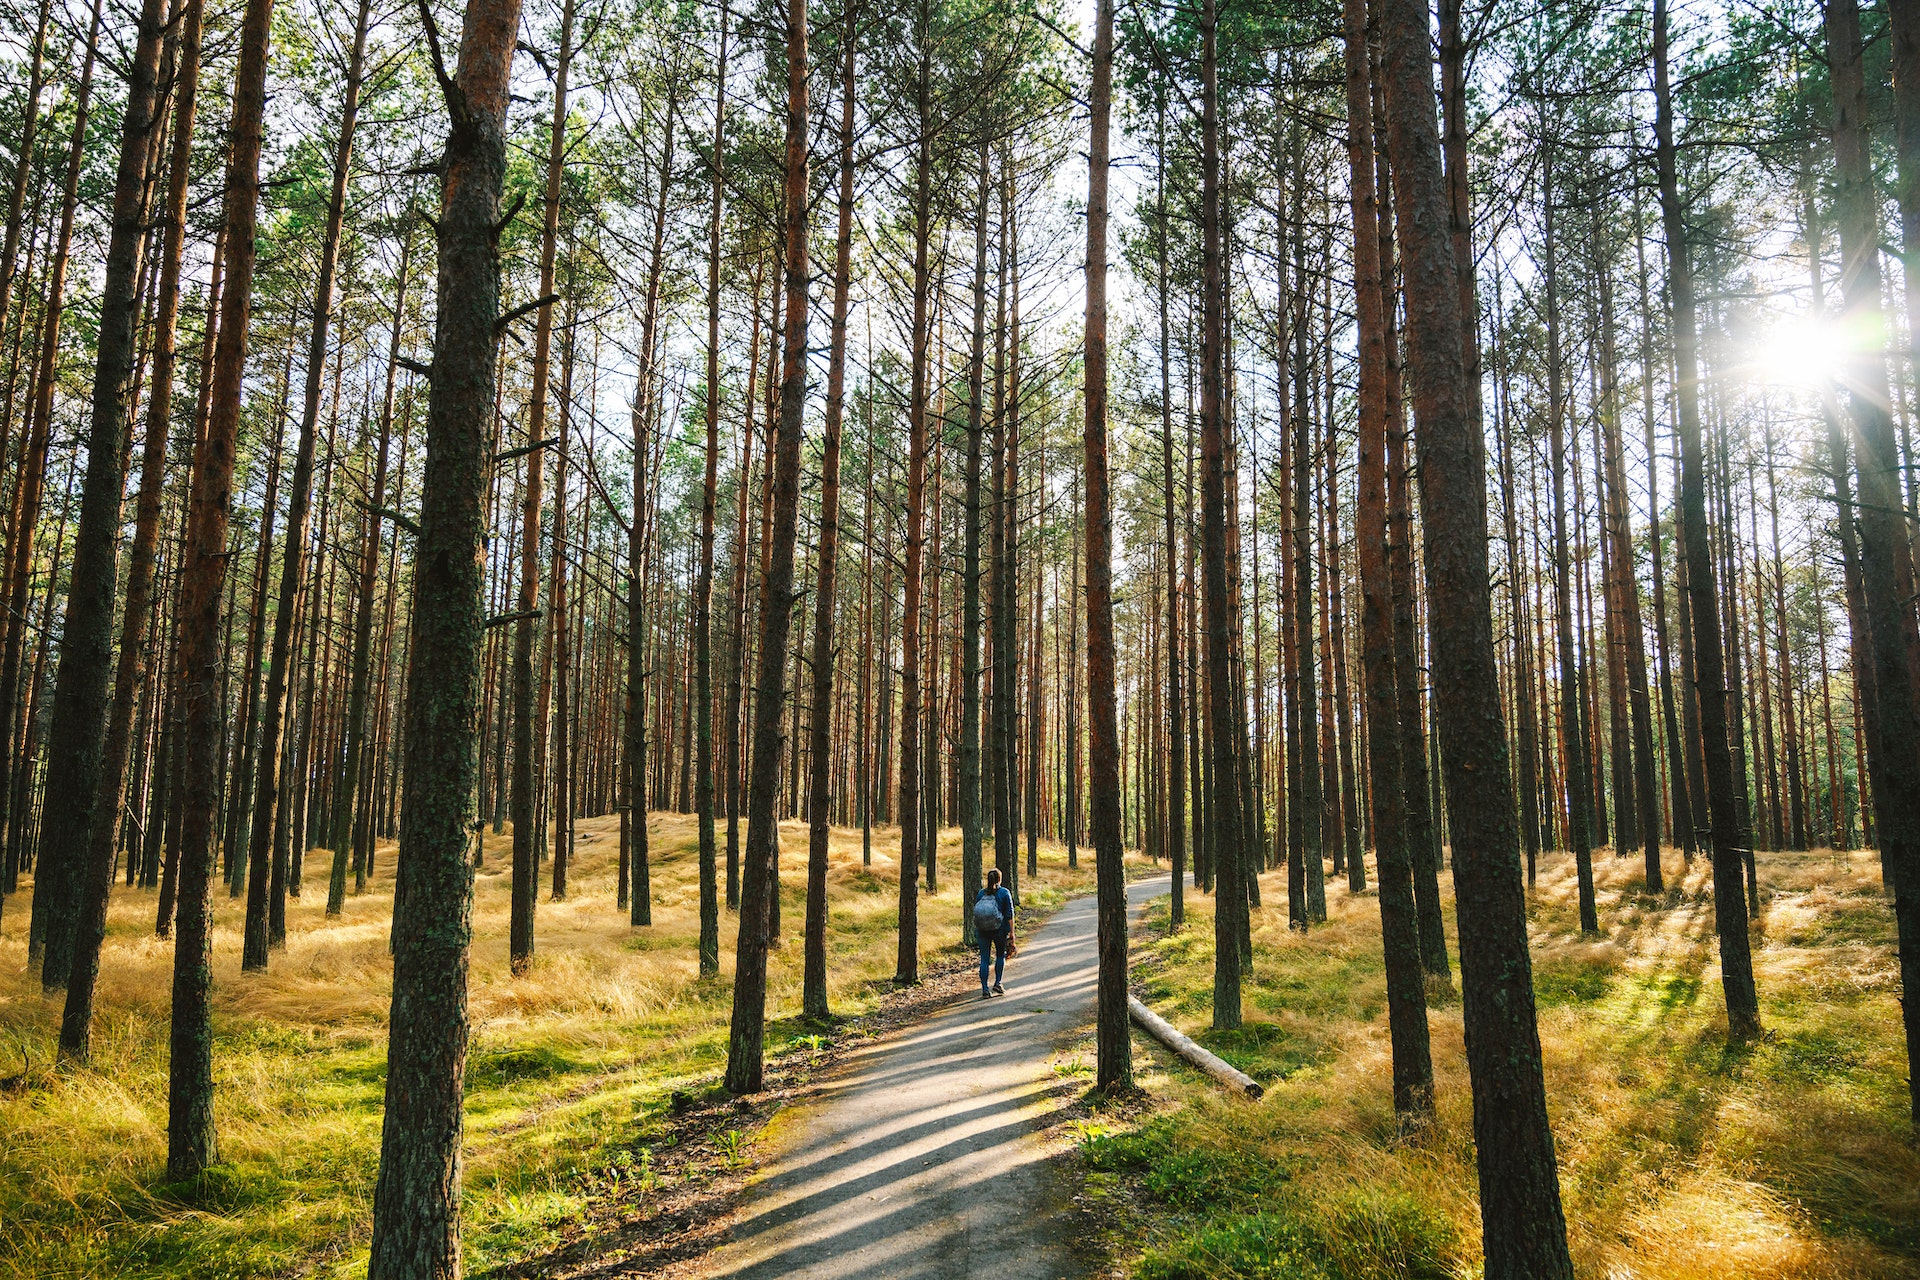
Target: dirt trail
x=919, y=1159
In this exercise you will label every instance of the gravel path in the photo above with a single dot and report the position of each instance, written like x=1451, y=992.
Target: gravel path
x=919, y=1159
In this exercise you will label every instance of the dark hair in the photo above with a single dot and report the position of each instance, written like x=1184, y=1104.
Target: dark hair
x=993, y=876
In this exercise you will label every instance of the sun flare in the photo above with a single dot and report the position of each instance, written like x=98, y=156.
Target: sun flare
x=1803, y=352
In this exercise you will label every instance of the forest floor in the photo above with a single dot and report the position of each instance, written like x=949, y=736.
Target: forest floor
x=1680, y=1156
x=590, y=1081
x=597, y=1144
x=936, y=1153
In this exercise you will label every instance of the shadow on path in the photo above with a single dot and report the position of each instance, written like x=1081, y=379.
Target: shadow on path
x=919, y=1160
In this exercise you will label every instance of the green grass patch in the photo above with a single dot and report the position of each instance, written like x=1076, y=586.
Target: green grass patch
x=568, y=1065
x=1571, y=982
x=1366, y=1236
x=1680, y=1154
x=497, y=1068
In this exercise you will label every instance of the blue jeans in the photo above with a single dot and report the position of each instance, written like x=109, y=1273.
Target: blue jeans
x=993, y=951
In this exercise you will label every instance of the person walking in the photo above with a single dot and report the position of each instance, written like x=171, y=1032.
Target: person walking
x=993, y=926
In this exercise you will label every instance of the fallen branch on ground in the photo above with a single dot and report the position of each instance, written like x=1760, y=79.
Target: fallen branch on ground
x=1160, y=1029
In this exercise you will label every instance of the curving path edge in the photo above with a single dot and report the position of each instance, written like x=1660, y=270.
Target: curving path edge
x=920, y=1158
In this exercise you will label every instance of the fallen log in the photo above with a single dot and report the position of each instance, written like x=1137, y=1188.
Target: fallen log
x=1160, y=1029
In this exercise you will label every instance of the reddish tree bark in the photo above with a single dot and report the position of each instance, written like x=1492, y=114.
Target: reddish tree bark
x=703, y=794
x=267, y=789
x=1573, y=736
x=639, y=547
x=746, y=1040
x=907, y=961
x=819, y=786
x=1399, y=923
x=190, y=1129
x=1176, y=704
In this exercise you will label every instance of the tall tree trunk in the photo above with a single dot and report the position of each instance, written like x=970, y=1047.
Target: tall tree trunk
x=1331, y=575
x=1692, y=746
x=293, y=819
x=352, y=763
x=703, y=795
x=1618, y=530
x=1399, y=924
x=529, y=737
x=930, y=769
x=737, y=657
x=1859, y=631
x=247, y=714
x=190, y=1130
x=1072, y=743
x=971, y=871
x=1729, y=896
x=748, y=1033
x=1885, y=552
x=1790, y=721
x=1035, y=715
x=77, y=796
x=1286, y=343
x=1573, y=737
x=1523, y=1228
x=147, y=523
x=819, y=788
x=557, y=613
x=1903, y=18
x=1004, y=759
x=1308, y=799
x=1114, y=1049
x=1728, y=549
x=1683, y=796
x=23, y=165
x=1333, y=801
x=183, y=742
x=639, y=547
x=267, y=788
x=10, y=268
x=416, y=1202
x=1176, y=708
x=1423, y=849
x=1839, y=829
x=1524, y=703
x=53, y=878
x=1225, y=810
x=907, y=962
x=1456, y=132
x=865, y=723
x=306, y=808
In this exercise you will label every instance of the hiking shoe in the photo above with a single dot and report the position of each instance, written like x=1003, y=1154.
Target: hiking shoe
x=985, y=994
x=997, y=991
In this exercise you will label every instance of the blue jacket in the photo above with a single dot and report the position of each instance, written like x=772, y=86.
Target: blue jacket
x=1005, y=899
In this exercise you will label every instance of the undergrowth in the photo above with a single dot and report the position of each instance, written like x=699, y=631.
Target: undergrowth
x=570, y=1066
x=1680, y=1156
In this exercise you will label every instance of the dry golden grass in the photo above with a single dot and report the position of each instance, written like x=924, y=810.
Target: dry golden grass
x=567, y=1061
x=1679, y=1156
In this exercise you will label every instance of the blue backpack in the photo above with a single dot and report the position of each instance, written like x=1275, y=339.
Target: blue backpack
x=986, y=913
